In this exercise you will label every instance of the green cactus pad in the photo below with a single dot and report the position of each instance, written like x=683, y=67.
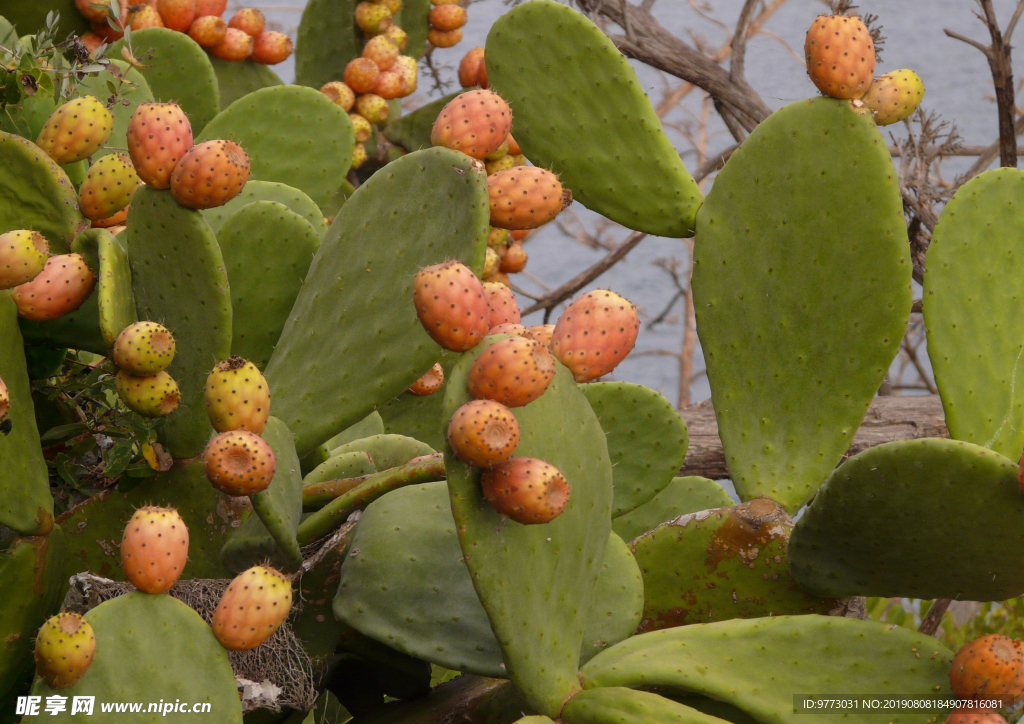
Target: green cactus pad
x=681, y=497
x=415, y=22
x=236, y=79
x=535, y=720
x=267, y=251
x=43, y=363
x=369, y=426
x=29, y=16
x=883, y=522
x=808, y=206
x=616, y=705
x=975, y=270
x=114, y=293
x=268, y=533
x=720, y=564
x=96, y=85
x=328, y=39
x=293, y=135
x=647, y=440
x=28, y=117
x=340, y=467
x=25, y=501
x=761, y=665
x=535, y=581
x=36, y=194
x=184, y=663
x=412, y=131
x=314, y=624
x=254, y=190
x=353, y=340
x=618, y=601
x=386, y=451
x=178, y=71
x=419, y=417
x=180, y=282
x=606, y=142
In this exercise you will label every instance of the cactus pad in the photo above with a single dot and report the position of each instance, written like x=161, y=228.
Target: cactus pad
x=96, y=85
x=412, y=131
x=606, y=143
x=616, y=705
x=386, y=451
x=236, y=79
x=114, y=283
x=340, y=467
x=808, y=206
x=883, y=522
x=680, y=497
x=976, y=266
x=353, y=340
x=328, y=39
x=369, y=426
x=254, y=190
x=419, y=417
x=28, y=16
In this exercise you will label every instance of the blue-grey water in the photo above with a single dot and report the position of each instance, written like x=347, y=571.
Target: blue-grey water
x=956, y=78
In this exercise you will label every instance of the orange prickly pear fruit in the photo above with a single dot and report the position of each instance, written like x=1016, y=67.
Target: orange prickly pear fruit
x=475, y=122
x=239, y=462
x=483, y=433
x=525, y=197
x=208, y=30
x=972, y=715
x=988, y=667
x=340, y=93
x=65, y=646
x=210, y=7
x=148, y=395
x=447, y=17
x=144, y=16
x=253, y=607
x=527, y=490
x=390, y=85
x=444, y=38
x=361, y=75
x=472, y=70
x=154, y=548
x=541, y=333
x=93, y=15
x=502, y=305
x=272, y=47
x=236, y=46
x=382, y=50
x=429, y=383
x=451, y=304
x=514, y=260
x=177, y=14
x=514, y=371
x=249, y=20
x=108, y=186
x=595, y=333
x=840, y=55
x=237, y=396
x=23, y=255
x=117, y=220
x=144, y=348
x=76, y=130
x=516, y=330
x=61, y=287
x=210, y=175
x=159, y=134
x=5, y=400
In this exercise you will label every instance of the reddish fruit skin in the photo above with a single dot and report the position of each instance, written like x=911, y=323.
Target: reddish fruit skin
x=476, y=123
x=61, y=287
x=516, y=330
x=447, y=17
x=595, y=333
x=145, y=17
x=252, y=608
x=76, y=130
x=154, y=548
x=208, y=30
x=5, y=400
x=514, y=371
x=237, y=396
x=471, y=67
x=65, y=646
x=527, y=490
x=389, y=85
x=272, y=47
x=249, y=20
x=971, y=715
x=210, y=175
x=236, y=46
x=108, y=186
x=452, y=306
x=429, y=383
x=177, y=14
x=110, y=222
x=483, y=433
x=541, y=333
x=444, y=39
x=239, y=462
x=159, y=134
x=361, y=74
x=106, y=33
x=502, y=305
x=340, y=93
x=382, y=50
x=525, y=197
x=840, y=56
x=90, y=13
x=210, y=7
x=23, y=256
x=92, y=41
x=513, y=146
x=514, y=260
x=987, y=668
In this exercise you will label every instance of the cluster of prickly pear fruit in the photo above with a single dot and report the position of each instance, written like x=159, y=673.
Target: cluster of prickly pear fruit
x=446, y=19
x=142, y=352
x=43, y=287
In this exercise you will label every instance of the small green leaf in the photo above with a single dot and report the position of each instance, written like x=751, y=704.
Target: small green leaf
x=63, y=432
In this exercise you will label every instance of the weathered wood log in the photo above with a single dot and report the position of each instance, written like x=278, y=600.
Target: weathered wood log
x=888, y=418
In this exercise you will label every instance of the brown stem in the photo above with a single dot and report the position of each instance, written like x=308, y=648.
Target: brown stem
x=933, y=618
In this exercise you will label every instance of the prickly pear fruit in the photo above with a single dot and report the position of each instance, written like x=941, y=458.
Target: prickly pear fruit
x=361, y=126
x=373, y=108
x=237, y=396
x=525, y=197
x=358, y=155
x=340, y=93
x=177, y=14
x=405, y=67
x=208, y=30
x=61, y=287
x=110, y=222
x=444, y=38
x=491, y=263
x=513, y=146
x=93, y=15
x=91, y=41
x=398, y=36
x=5, y=400
x=272, y=47
x=514, y=260
x=971, y=715
x=502, y=305
x=483, y=433
x=361, y=75
x=249, y=20
x=502, y=164
x=236, y=46
x=987, y=668
x=595, y=333
x=527, y=490
x=253, y=607
x=472, y=70
x=895, y=96
x=76, y=130
x=159, y=134
x=154, y=548
x=541, y=333
x=23, y=256
x=150, y=395
x=389, y=85
x=516, y=330
x=108, y=186
x=210, y=7
x=394, y=6
x=210, y=175
x=514, y=371
x=840, y=55
x=451, y=305
x=382, y=50
x=497, y=237
x=144, y=16
x=108, y=33
x=476, y=123
x=447, y=17
x=239, y=462
x=372, y=18
x=144, y=348
x=64, y=649
x=429, y=383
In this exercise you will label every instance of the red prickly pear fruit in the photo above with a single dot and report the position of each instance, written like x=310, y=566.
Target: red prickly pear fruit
x=382, y=50
x=361, y=126
x=527, y=490
x=23, y=255
x=516, y=330
x=237, y=396
x=502, y=305
x=159, y=134
x=154, y=548
x=5, y=400
x=595, y=333
x=144, y=16
x=340, y=93
x=65, y=646
x=429, y=383
x=444, y=39
x=541, y=333
x=93, y=15
x=451, y=304
x=447, y=17
x=236, y=46
x=514, y=371
x=144, y=348
x=398, y=36
x=117, y=220
x=108, y=186
x=840, y=56
x=148, y=395
x=272, y=47
x=405, y=67
x=361, y=75
x=359, y=155
x=210, y=7
x=987, y=668
x=177, y=14
x=208, y=30
x=210, y=175
x=971, y=715
x=252, y=608
x=519, y=234
x=61, y=287
x=525, y=197
x=372, y=18
x=895, y=96
x=476, y=123
x=239, y=462
x=249, y=20
x=373, y=108
x=514, y=260
x=483, y=433
x=472, y=70
x=76, y=130
x=389, y=85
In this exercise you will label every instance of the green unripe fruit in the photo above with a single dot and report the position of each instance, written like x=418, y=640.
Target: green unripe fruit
x=144, y=348
x=895, y=96
x=150, y=396
x=64, y=649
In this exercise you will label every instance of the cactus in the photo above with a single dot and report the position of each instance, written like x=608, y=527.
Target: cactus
x=781, y=434
x=386, y=451
x=412, y=131
x=972, y=270
x=97, y=86
x=295, y=200
x=680, y=497
x=417, y=417
x=27, y=16
x=616, y=705
x=238, y=79
x=114, y=296
x=340, y=467
x=853, y=536
x=606, y=125
x=328, y=40
x=369, y=426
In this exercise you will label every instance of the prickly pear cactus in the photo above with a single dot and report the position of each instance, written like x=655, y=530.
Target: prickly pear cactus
x=238, y=79
x=412, y=131
x=328, y=40
x=617, y=705
x=96, y=85
x=680, y=497
x=295, y=200
x=114, y=295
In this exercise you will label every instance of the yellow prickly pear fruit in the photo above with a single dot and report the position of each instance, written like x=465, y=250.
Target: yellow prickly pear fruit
x=64, y=649
x=23, y=255
x=895, y=96
x=108, y=186
x=76, y=130
x=151, y=395
x=144, y=348
x=237, y=396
